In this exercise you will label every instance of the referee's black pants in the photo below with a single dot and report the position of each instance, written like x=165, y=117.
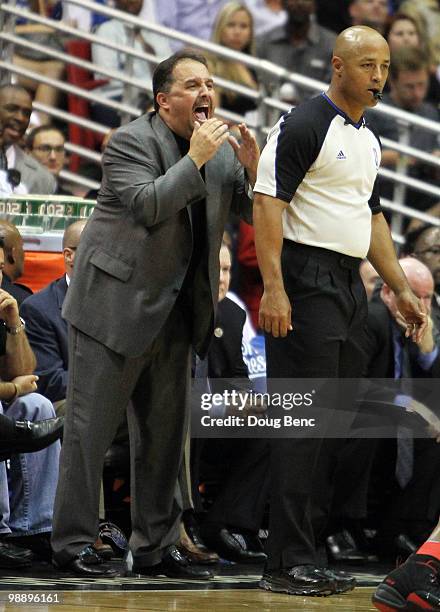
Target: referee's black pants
x=329, y=309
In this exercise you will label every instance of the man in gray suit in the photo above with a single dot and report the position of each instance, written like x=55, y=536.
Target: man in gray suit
x=15, y=113
x=144, y=293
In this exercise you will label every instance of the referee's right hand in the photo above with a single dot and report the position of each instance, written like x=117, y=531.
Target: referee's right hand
x=275, y=312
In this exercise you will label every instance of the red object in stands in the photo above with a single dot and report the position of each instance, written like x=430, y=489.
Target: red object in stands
x=41, y=268
x=250, y=282
x=80, y=106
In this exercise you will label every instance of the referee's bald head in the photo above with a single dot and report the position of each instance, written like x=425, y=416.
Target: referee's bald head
x=354, y=39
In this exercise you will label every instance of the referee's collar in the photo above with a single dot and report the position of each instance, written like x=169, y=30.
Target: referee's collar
x=347, y=119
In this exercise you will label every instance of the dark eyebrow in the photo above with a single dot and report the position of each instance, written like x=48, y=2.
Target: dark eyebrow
x=372, y=59
x=192, y=80
x=13, y=107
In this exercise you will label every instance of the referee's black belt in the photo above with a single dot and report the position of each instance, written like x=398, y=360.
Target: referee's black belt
x=324, y=255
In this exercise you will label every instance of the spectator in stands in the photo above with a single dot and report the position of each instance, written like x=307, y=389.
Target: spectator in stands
x=15, y=113
x=427, y=13
x=141, y=40
x=38, y=61
x=424, y=244
x=233, y=28
x=47, y=333
x=10, y=179
x=413, y=503
x=409, y=79
x=372, y=13
x=240, y=467
x=405, y=31
x=82, y=18
x=13, y=266
x=46, y=144
x=301, y=45
x=27, y=496
x=427, y=249
x=267, y=15
x=46, y=328
x=194, y=17
x=369, y=277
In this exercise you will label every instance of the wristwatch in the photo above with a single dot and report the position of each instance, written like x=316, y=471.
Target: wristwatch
x=16, y=330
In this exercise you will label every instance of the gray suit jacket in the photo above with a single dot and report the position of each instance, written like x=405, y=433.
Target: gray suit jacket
x=36, y=177
x=135, y=250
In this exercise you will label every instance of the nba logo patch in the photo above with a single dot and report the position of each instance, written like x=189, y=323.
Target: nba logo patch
x=376, y=158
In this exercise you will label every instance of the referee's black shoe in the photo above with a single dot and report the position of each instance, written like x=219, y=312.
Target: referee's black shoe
x=344, y=582
x=299, y=580
x=415, y=585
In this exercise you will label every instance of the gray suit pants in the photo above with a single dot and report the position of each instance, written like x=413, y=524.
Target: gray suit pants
x=101, y=383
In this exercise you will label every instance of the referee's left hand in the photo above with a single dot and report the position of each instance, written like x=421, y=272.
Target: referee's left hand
x=275, y=312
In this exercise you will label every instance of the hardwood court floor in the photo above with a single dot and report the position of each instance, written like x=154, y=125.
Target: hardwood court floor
x=234, y=589
x=232, y=600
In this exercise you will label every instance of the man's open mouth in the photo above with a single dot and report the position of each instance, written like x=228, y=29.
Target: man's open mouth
x=201, y=113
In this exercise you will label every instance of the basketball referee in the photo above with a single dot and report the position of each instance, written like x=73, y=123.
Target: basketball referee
x=317, y=213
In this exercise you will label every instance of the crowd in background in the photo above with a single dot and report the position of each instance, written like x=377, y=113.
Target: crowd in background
x=299, y=36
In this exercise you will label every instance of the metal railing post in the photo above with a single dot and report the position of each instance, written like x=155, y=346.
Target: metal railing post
x=7, y=24
x=399, y=190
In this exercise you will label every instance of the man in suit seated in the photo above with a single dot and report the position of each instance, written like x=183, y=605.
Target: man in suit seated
x=46, y=328
x=412, y=486
x=424, y=244
x=47, y=334
x=14, y=261
x=15, y=113
x=27, y=495
x=231, y=525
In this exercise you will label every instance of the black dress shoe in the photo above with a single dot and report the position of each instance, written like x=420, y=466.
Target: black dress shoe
x=12, y=557
x=31, y=437
x=233, y=546
x=174, y=565
x=342, y=548
x=299, y=580
x=404, y=546
x=88, y=563
x=38, y=543
x=342, y=580
x=192, y=528
x=195, y=554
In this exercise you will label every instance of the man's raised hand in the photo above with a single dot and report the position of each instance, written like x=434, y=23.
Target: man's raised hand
x=206, y=139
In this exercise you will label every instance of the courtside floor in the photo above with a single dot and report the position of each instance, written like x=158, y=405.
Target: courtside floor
x=234, y=588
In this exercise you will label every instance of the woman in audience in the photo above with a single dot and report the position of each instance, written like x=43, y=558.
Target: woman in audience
x=405, y=31
x=37, y=61
x=234, y=29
